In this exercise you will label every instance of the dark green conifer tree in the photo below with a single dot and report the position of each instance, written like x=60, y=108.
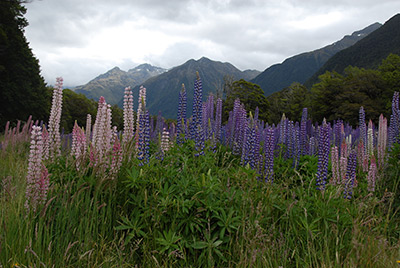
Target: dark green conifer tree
x=22, y=89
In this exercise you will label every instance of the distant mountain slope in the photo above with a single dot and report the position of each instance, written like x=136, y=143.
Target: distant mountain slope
x=163, y=90
x=368, y=52
x=301, y=67
x=111, y=84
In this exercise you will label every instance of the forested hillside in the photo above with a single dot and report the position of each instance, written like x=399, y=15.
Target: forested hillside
x=368, y=52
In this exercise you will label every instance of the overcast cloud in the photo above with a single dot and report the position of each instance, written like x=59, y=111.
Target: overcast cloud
x=80, y=39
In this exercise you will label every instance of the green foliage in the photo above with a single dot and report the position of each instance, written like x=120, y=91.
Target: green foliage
x=251, y=95
x=22, y=89
x=76, y=107
x=204, y=211
x=339, y=96
x=289, y=101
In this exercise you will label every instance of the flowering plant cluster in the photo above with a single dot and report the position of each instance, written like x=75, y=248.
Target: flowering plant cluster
x=255, y=141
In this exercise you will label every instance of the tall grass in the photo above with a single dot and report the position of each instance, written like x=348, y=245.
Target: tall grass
x=203, y=211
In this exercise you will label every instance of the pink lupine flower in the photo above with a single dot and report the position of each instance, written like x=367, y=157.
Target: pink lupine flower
x=140, y=111
x=102, y=132
x=37, y=175
x=78, y=149
x=372, y=173
x=93, y=157
x=54, y=121
x=74, y=139
x=88, y=128
x=128, y=115
x=98, y=126
x=116, y=160
x=45, y=140
x=382, y=140
x=43, y=182
x=370, y=138
x=362, y=157
x=343, y=168
x=335, y=165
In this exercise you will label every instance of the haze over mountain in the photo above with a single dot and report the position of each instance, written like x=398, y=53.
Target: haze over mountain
x=163, y=90
x=111, y=84
x=368, y=52
x=301, y=67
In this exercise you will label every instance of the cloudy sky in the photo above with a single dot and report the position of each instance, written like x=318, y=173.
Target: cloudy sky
x=80, y=39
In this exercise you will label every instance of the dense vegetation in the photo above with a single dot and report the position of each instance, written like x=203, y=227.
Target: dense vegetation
x=195, y=211
x=22, y=89
x=339, y=96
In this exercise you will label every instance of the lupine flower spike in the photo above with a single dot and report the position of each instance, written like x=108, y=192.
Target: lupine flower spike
x=323, y=156
x=37, y=176
x=54, y=141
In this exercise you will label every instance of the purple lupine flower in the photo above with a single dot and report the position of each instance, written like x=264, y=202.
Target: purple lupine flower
x=144, y=138
x=350, y=175
x=323, y=156
x=54, y=141
x=247, y=142
x=363, y=128
x=197, y=106
x=282, y=129
x=297, y=149
x=199, y=140
x=232, y=122
x=37, y=176
x=128, y=116
x=208, y=117
x=382, y=140
x=394, y=127
x=240, y=130
x=181, y=133
x=256, y=112
x=204, y=123
x=303, y=133
x=269, y=155
x=372, y=173
x=218, y=121
x=335, y=165
x=338, y=134
x=290, y=140
x=312, y=146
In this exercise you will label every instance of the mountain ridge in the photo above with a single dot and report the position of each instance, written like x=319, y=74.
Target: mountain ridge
x=301, y=67
x=163, y=90
x=368, y=52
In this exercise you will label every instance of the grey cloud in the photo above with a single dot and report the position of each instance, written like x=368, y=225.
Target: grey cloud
x=250, y=34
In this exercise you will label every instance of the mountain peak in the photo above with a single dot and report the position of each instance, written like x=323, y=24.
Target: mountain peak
x=111, y=84
x=204, y=59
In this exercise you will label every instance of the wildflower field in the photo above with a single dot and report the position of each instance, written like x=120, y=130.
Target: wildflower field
x=199, y=193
